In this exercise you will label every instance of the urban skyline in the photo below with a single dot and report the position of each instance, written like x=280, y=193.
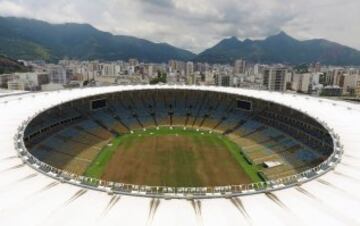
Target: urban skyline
x=314, y=79
x=106, y=59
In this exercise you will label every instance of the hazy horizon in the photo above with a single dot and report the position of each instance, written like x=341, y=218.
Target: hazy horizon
x=198, y=25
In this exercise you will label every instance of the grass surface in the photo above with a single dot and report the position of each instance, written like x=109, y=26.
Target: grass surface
x=173, y=157
x=235, y=150
x=97, y=166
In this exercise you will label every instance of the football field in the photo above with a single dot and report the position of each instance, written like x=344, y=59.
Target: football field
x=173, y=157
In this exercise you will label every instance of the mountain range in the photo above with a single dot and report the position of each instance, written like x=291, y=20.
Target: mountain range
x=27, y=39
x=281, y=48
x=8, y=65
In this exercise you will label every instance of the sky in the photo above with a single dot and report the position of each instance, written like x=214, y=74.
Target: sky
x=196, y=25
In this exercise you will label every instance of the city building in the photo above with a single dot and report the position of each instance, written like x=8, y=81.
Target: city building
x=357, y=89
x=239, y=66
x=4, y=78
x=301, y=82
x=349, y=83
x=331, y=91
x=57, y=74
x=16, y=85
x=189, y=68
x=31, y=81
x=275, y=78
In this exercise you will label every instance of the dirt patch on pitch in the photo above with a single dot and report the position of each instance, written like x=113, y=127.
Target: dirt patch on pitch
x=171, y=160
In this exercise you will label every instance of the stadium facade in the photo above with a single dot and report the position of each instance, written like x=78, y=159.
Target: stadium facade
x=33, y=196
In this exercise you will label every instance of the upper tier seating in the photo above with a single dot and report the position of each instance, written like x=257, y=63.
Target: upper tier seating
x=70, y=136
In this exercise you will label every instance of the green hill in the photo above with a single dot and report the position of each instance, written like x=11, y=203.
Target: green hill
x=32, y=39
x=8, y=65
x=281, y=48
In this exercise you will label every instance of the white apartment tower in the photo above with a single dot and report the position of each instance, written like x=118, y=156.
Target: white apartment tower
x=189, y=68
x=301, y=82
x=57, y=74
x=240, y=66
x=275, y=79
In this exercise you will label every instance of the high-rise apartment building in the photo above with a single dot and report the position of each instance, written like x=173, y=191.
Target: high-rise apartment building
x=240, y=67
x=301, y=82
x=57, y=74
x=275, y=78
x=189, y=68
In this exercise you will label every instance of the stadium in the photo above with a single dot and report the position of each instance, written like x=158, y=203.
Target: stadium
x=177, y=155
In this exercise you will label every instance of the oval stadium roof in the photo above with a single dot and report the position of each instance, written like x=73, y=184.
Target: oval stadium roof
x=31, y=198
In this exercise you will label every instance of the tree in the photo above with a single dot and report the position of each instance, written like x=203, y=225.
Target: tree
x=161, y=77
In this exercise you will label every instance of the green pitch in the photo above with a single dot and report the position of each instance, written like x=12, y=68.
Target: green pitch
x=173, y=157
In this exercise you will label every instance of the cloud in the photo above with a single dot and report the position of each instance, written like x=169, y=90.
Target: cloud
x=11, y=9
x=199, y=24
